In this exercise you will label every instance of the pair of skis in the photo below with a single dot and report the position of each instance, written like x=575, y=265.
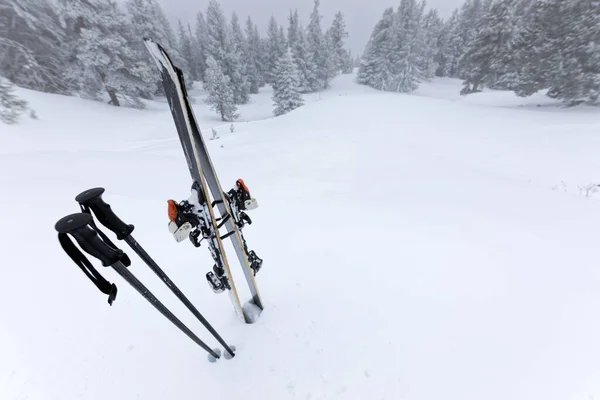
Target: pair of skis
x=196, y=216
x=93, y=241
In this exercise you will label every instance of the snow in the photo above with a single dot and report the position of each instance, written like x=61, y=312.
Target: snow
x=425, y=246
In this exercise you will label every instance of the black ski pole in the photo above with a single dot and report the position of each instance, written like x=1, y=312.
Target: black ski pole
x=92, y=199
x=78, y=226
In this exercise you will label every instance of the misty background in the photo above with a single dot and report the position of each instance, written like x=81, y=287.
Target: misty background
x=232, y=49
x=360, y=15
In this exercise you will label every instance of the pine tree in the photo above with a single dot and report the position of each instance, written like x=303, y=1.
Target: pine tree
x=261, y=56
x=275, y=49
x=10, y=105
x=432, y=31
x=575, y=76
x=201, y=44
x=220, y=96
x=101, y=58
x=317, y=51
x=32, y=54
x=337, y=34
x=375, y=66
x=297, y=45
x=470, y=16
x=407, y=48
x=147, y=19
x=252, y=57
x=490, y=53
x=306, y=70
x=348, y=64
x=217, y=34
x=286, y=94
x=453, y=47
x=293, y=28
x=282, y=39
x=220, y=46
x=185, y=49
x=237, y=64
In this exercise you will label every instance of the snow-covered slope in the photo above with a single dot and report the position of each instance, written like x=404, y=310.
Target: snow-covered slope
x=416, y=247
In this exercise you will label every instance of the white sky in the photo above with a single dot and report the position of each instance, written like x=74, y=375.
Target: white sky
x=360, y=15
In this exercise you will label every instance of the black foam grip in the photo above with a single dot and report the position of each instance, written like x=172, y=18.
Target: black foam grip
x=77, y=225
x=102, y=210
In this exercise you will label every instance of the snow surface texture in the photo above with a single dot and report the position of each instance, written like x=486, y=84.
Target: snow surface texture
x=426, y=252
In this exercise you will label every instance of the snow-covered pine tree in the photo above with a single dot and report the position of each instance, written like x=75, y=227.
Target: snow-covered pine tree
x=261, y=56
x=336, y=35
x=217, y=34
x=348, y=64
x=251, y=58
x=406, y=57
x=275, y=49
x=297, y=45
x=147, y=19
x=470, y=15
x=576, y=76
x=283, y=39
x=375, y=66
x=237, y=62
x=11, y=107
x=101, y=58
x=286, y=93
x=32, y=54
x=330, y=69
x=452, y=47
x=185, y=49
x=293, y=28
x=490, y=53
x=220, y=47
x=432, y=29
x=304, y=67
x=533, y=69
x=201, y=44
x=442, y=52
x=317, y=51
x=220, y=95
x=196, y=57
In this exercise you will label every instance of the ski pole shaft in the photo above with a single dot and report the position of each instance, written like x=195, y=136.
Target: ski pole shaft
x=171, y=285
x=137, y=285
x=77, y=225
x=92, y=198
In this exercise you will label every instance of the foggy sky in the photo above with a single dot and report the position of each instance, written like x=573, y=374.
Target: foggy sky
x=360, y=15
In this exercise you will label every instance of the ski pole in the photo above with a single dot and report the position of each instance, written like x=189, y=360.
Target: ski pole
x=78, y=226
x=92, y=199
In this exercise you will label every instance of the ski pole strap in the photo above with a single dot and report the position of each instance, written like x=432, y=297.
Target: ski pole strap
x=88, y=269
x=78, y=226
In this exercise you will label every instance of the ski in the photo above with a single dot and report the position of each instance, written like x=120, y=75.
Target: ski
x=196, y=218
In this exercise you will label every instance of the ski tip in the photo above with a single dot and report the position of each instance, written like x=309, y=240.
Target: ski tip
x=157, y=52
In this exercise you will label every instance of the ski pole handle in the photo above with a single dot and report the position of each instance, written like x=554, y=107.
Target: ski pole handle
x=77, y=225
x=92, y=198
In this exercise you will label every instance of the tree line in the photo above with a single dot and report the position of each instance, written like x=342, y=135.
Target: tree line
x=519, y=45
x=94, y=49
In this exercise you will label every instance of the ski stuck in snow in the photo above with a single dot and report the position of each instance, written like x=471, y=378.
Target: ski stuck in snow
x=196, y=217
